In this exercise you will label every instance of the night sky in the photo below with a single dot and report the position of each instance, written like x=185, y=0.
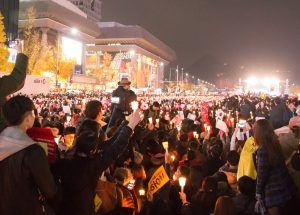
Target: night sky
x=220, y=36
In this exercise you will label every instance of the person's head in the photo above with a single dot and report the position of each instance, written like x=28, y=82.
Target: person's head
x=262, y=104
x=233, y=158
x=138, y=172
x=125, y=83
x=246, y=186
x=224, y=206
x=264, y=136
x=86, y=144
x=209, y=185
x=123, y=176
x=19, y=111
x=93, y=110
x=215, y=150
x=69, y=135
x=155, y=106
x=89, y=125
x=294, y=125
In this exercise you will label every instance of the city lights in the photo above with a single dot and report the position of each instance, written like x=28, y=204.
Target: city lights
x=252, y=81
x=74, y=31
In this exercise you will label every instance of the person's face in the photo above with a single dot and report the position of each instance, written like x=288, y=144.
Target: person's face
x=262, y=104
x=126, y=87
x=29, y=119
x=68, y=139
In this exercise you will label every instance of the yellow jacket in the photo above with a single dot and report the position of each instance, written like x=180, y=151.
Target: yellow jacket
x=246, y=164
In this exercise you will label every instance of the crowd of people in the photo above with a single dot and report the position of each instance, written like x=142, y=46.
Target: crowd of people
x=92, y=153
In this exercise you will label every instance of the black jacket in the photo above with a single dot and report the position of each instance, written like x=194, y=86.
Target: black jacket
x=12, y=83
x=124, y=96
x=79, y=176
x=21, y=174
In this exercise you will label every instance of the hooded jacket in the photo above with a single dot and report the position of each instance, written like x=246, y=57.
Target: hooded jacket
x=25, y=174
x=246, y=164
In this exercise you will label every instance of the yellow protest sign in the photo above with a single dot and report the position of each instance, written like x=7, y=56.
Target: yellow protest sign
x=158, y=180
x=97, y=202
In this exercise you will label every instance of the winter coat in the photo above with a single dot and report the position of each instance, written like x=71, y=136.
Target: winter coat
x=274, y=183
x=244, y=204
x=12, y=83
x=79, y=176
x=24, y=172
x=246, y=164
x=276, y=116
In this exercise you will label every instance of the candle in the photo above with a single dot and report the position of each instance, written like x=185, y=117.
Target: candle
x=182, y=181
x=205, y=126
x=69, y=118
x=173, y=157
x=134, y=105
x=208, y=128
x=165, y=145
x=157, y=121
x=150, y=120
x=142, y=192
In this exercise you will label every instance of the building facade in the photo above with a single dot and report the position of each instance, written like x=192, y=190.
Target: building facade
x=129, y=51
x=64, y=26
x=90, y=7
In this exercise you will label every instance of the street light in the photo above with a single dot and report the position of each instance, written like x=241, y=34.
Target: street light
x=132, y=52
x=74, y=31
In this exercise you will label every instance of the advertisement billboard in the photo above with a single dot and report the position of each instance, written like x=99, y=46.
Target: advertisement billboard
x=72, y=49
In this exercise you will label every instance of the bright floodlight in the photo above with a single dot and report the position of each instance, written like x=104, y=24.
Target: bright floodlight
x=74, y=31
x=251, y=81
x=132, y=52
x=161, y=63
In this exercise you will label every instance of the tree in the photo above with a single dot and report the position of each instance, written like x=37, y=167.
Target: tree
x=32, y=43
x=46, y=58
x=5, y=66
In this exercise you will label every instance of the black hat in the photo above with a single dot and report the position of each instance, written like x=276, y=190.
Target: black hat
x=86, y=142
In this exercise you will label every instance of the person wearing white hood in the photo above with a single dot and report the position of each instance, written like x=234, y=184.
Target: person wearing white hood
x=26, y=183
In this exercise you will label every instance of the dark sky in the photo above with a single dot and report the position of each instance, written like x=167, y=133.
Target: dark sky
x=261, y=35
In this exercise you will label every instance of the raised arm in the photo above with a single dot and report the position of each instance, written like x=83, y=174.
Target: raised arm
x=15, y=81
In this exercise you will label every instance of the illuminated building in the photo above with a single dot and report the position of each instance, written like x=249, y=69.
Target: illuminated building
x=128, y=51
x=90, y=7
x=65, y=26
x=132, y=50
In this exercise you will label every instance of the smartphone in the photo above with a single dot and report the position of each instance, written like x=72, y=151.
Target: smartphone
x=115, y=100
x=240, y=125
x=130, y=186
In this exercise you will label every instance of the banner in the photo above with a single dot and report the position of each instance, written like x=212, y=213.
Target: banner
x=158, y=180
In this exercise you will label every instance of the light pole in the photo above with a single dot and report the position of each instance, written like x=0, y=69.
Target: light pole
x=182, y=75
x=177, y=75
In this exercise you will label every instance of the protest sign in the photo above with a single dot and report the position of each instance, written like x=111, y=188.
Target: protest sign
x=158, y=180
x=45, y=138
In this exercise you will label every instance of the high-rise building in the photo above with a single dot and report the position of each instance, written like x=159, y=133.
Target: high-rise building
x=10, y=11
x=91, y=7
